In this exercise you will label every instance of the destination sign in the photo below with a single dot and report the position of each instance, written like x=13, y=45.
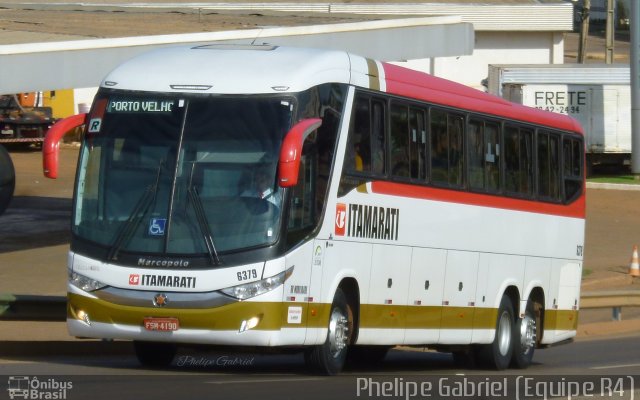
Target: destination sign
x=140, y=106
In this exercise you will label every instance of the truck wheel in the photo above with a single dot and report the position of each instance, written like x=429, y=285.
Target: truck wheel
x=524, y=341
x=7, y=179
x=498, y=354
x=155, y=354
x=329, y=357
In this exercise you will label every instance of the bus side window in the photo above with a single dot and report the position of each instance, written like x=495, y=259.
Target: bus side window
x=377, y=137
x=456, y=155
x=418, y=151
x=572, y=169
x=492, y=156
x=518, y=161
x=359, y=148
x=439, y=147
x=400, y=141
x=548, y=166
x=447, y=156
x=366, y=146
x=476, y=154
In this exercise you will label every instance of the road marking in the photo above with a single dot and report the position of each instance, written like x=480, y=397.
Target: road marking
x=277, y=380
x=616, y=366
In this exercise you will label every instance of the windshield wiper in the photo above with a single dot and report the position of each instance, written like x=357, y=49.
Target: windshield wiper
x=127, y=230
x=201, y=216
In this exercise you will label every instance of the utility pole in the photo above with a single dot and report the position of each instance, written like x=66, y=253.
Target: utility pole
x=584, y=31
x=635, y=88
x=610, y=33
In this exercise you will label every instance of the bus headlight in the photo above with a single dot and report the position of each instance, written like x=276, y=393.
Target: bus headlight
x=85, y=283
x=248, y=290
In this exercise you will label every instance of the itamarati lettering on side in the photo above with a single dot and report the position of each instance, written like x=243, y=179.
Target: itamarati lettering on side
x=373, y=222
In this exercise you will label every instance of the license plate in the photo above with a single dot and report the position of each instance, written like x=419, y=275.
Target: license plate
x=161, y=324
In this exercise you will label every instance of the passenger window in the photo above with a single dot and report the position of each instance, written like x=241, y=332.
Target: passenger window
x=475, y=133
x=418, y=139
x=573, y=153
x=518, y=162
x=400, y=141
x=447, y=159
x=439, y=148
x=548, y=166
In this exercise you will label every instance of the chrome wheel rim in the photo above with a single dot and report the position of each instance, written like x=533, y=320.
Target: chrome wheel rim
x=338, y=332
x=504, y=333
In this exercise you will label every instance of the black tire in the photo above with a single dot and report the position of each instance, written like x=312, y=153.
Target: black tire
x=329, y=358
x=155, y=354
x=525, y=338
x=7, y=179
x=497, y=355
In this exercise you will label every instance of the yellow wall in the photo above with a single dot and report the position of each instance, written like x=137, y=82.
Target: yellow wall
x=60, y=101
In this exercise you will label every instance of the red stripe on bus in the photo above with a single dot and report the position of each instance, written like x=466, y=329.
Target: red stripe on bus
x=573, y=210
x=420, y=86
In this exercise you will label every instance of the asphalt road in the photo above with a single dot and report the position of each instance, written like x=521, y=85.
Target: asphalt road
x=213, y=375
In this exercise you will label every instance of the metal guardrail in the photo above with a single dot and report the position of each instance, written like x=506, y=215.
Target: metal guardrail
x=614, y=299
x=610, y=299
x=54, y=308
x=32, y=308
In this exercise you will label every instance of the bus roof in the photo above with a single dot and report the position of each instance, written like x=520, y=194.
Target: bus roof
x=260, y=69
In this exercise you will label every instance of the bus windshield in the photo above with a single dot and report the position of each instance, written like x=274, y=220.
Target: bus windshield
x=184, y=175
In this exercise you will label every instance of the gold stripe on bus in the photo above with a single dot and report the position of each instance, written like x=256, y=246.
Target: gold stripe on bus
x=273, y=316
x=561, y=320
x=427, y=317
x=374, y=75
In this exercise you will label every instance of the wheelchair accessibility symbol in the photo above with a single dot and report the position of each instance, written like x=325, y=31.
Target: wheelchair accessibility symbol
x=156, y=226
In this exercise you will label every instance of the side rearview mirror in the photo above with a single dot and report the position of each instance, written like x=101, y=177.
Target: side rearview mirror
x=289, y=163
x=51, y=145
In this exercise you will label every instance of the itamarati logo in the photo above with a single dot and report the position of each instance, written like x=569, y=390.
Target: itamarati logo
x=24, y=387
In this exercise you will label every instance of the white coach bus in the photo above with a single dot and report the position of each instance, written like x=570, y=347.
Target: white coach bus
x=316, y=200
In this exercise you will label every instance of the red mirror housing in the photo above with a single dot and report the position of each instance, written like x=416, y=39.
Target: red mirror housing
x=51, y=145
x=289, y=163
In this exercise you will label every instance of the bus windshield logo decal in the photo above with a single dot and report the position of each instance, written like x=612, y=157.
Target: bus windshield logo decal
x=368, y=222
x=156, y=226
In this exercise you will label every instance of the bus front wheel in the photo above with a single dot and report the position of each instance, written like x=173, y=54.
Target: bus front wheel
x=498, y=353
x=155, y=354
x=329, y=357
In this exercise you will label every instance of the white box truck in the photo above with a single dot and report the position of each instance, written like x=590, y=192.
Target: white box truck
x=597, y=95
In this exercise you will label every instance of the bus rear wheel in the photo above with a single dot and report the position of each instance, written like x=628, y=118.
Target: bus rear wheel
x=155, y=354
x=498, y=353
x=329, y=358
x=525, y=336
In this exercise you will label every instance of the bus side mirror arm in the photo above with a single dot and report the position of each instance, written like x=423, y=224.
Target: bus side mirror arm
x=51, y=145
x=290, y=154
